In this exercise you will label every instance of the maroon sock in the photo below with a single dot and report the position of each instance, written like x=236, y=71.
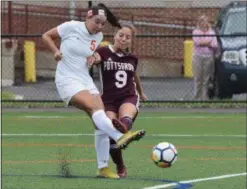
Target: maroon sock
x=127, y=121
x=116, y=154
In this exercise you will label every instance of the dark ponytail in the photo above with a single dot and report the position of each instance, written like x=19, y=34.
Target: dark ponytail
x=112, y=19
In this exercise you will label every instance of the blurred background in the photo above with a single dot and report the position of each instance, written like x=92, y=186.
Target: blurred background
x=164, y=30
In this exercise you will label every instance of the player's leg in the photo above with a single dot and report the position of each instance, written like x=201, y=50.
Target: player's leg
x=93, y=105
x=127, y=113
x=113, y=144
x=74, y=92
x=101, y=142
x=115, y=152
x=102, y=146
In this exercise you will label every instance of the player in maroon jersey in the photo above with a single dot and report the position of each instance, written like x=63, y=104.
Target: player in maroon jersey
x=120, y=85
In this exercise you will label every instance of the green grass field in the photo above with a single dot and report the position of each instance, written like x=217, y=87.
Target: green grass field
x=209, y=145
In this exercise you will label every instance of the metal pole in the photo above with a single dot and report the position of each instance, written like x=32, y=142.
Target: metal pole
x=9, y=17
x=90, y=3
x=72, y=6
x=26, y=19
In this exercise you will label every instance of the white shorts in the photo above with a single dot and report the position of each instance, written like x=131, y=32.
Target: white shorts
x=69, y=87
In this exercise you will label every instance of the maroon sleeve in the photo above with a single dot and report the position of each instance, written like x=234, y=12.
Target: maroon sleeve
x=136, y=61
x=102, y=52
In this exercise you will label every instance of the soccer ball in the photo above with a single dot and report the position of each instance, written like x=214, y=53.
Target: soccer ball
x=164, y=154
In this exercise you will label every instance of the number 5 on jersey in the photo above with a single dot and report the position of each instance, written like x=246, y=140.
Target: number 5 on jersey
x=93, y=45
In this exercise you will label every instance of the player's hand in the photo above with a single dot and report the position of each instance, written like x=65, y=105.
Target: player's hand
x=97, y=57
x=94, y=59
x=143, y=97
x=58, y=55
x=90, y=61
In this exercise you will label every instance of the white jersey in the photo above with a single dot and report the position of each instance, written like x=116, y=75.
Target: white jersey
x=76, y=45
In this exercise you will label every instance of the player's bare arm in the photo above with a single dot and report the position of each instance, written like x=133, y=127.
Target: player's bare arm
x=139, y=87
x=48, y=38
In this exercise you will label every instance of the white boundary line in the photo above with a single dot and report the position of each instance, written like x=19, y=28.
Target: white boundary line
x=40, y=117
x=89, y=134
x=194, y=135
x=140, y=117
x=43, y=135
x=195, y=180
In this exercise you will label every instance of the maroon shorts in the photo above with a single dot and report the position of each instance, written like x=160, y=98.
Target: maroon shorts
x=114, y=105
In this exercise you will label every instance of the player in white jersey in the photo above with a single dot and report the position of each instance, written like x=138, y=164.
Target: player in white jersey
x=74, y=84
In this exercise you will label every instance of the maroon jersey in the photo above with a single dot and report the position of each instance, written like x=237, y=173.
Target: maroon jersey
x=117, y=74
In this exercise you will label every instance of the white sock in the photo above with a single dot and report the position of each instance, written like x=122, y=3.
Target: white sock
x=102, y=148
x=104, y=124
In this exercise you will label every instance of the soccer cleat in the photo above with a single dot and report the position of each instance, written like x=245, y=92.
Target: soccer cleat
x=121, y=171
x=119, y=125
x=106, y=172
x=128, y=137
x=138, y=134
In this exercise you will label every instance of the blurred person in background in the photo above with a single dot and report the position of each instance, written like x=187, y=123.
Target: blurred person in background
x=203, y=57
x=79, y=40
x=121, y=85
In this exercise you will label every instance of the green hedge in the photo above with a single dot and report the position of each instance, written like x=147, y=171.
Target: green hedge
x=5, y=95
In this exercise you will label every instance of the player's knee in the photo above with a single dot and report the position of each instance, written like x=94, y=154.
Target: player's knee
x=94, y=108
x=93, y=104
x=127, y=121
x=89, y=110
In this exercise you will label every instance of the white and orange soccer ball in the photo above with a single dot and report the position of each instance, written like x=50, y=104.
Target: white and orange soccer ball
x=164, y=154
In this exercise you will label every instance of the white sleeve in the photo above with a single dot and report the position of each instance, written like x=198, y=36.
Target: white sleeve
x=65, y=28
x=100, y=38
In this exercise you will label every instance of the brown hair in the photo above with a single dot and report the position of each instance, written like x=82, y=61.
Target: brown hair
x=131, y=27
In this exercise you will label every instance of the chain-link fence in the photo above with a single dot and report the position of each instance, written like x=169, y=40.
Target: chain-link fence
x=163, y=45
